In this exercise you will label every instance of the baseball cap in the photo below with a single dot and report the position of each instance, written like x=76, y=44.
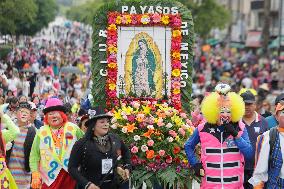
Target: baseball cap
x=248, y=97
x=279, y=98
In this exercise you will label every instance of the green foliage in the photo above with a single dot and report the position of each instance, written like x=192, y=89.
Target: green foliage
x=26, y=17
x=46, y=13
x=207, y=16
x=85, y=12
x=4, y=50
x=16, y=13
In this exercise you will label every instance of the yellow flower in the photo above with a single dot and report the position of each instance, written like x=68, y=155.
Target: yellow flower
x=117, y=115
x=118, y=20
x=112, y=86
x=176, y=33
x=128, y=19
x=112, y=27
x=177, y=120
x=146, y=109
x=127, y=110
x=112, y=65
x=185, y=161
x=176, y=72
x=177, y=138
x=112, y=49
x=176, y=55
x=176, y=91
x=165, y=19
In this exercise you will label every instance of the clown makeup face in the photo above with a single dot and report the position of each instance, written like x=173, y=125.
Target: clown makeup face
x=102, y=127
x=225, y=115
x=23, y=116
x=54, y=119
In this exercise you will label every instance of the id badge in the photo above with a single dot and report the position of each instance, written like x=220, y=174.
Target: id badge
x=106, y=165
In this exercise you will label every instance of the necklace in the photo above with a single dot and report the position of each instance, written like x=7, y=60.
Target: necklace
x=102, y=140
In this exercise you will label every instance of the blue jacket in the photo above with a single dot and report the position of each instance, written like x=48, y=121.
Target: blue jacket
x=272, y=122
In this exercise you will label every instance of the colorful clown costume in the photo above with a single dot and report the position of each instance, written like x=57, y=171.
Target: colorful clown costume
x=224, y=142
x=6, y=179
x=52, y=147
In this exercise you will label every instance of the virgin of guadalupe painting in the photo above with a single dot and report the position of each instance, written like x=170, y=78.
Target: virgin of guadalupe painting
x=143, y=67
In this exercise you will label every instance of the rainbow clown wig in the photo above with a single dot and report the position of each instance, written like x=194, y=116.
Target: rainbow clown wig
x=215, y=101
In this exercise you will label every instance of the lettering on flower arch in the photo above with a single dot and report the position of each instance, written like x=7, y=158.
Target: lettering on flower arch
x=116, y=52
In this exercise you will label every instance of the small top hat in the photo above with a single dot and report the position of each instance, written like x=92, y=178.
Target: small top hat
x=96, y=113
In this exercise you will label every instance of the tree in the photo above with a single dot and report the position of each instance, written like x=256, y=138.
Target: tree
x=47, y=10
x=207, y=15
x=16, y=12
x=85, y=13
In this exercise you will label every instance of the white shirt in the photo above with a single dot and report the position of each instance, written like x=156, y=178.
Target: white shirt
x=261, y=169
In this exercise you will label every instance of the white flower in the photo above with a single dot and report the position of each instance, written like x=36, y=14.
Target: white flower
x=124, y=117
x=144, y=148
x=113, y=120
x=169, y=125
x=113, y=126
x=136, y=137
x=150, y=127
x=170, y=139
x=145, y=19
x=124, y=129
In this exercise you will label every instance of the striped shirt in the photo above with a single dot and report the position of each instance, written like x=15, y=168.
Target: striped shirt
x=17, y=161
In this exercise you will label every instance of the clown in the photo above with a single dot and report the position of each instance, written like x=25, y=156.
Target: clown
x=51, y=148
x=224, y=141
x=19, y=153
x=7, y=135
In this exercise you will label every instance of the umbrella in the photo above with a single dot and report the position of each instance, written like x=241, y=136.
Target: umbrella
x=28, y=70
x=70, y=69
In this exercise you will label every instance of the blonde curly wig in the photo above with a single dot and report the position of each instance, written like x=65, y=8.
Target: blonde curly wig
x=210, y=107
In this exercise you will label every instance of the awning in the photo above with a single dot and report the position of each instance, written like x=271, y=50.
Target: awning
x=275, y=43
x=237, y=45
x=212, y=41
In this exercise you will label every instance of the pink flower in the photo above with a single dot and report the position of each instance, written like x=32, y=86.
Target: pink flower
x=183, y=115
x=150, y=142
x=172, y=133
x=176, y=64
x=160, y=123
x=176, y=20
x=111, y=58
x=181, y=131
x=176, y=45
x=131, y=118
x=134, y=149
x=162, y=152
x=176, y=85
x=134, y=19
x=156, y=18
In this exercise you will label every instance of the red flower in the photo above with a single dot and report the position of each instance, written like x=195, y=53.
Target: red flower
x=176, y=150
x=177, y=160
x=169, y=159
x=158, y=159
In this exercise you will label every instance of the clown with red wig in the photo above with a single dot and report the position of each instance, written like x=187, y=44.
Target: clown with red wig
x=51, y=148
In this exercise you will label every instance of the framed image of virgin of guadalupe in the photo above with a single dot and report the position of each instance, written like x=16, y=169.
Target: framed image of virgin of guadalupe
x=144, y=61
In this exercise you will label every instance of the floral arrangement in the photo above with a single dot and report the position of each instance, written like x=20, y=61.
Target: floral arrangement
x=116, y=19
x=155, y=134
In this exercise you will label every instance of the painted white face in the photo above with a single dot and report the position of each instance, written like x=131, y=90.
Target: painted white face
x=225, y=115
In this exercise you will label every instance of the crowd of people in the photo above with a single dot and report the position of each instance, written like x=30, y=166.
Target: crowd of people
x=47, y=139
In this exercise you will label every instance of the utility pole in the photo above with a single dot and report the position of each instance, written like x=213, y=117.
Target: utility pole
x=266, y=27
